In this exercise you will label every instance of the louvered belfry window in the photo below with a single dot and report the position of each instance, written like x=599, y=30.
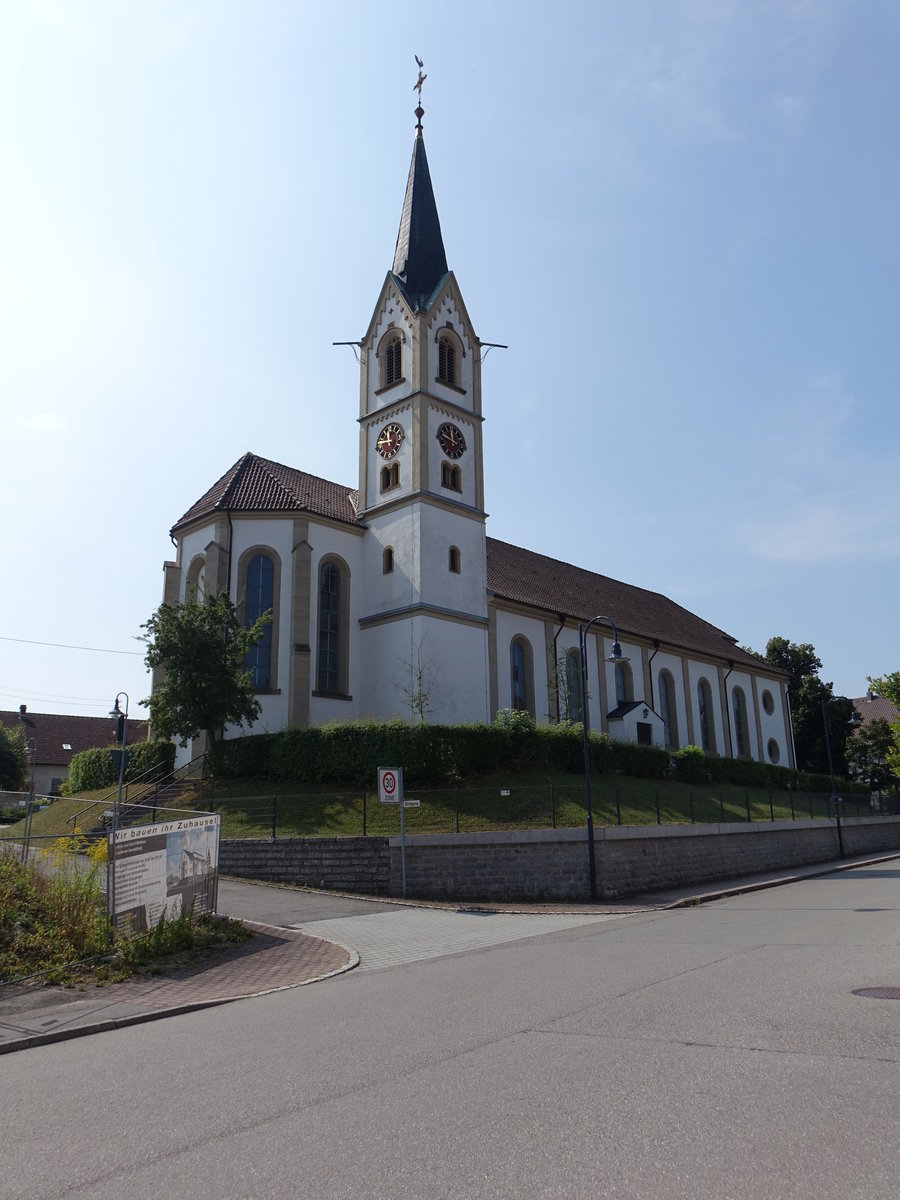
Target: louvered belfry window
x=446, y=361
x=392, y=362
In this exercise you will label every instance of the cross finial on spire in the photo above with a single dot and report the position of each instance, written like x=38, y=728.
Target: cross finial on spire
x=417, y=87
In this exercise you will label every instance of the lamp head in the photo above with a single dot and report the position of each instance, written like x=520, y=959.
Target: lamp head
x=616, y=656
x=116, y=712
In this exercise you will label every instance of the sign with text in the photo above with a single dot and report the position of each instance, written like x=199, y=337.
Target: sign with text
x=170, y=867
x=390, y=785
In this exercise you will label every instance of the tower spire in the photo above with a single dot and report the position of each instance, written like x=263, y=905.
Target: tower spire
x=420, y=262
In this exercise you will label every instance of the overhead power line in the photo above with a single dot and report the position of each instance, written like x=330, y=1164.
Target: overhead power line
x=66, y=646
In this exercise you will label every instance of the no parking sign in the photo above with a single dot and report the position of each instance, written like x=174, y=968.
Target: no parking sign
x=390, y=785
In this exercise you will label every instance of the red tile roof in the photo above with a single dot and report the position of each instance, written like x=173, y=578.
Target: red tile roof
x=257, y=484
x=871, y=708
x=558, y=587
x=56, y=731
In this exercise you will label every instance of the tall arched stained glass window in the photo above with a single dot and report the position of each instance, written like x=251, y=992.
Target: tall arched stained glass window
x=667, y=709
x=330, y=628
x=258, y=600
x=704, y=707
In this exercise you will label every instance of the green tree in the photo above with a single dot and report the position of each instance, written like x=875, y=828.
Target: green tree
x=871, y=752
x=887, y=686
x=13, y=758
x=202, y=647
x=807, y=693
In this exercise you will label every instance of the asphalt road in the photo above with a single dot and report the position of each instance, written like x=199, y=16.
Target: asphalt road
x=712, y=1052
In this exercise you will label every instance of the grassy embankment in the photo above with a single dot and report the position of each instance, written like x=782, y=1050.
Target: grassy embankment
x=528, y=800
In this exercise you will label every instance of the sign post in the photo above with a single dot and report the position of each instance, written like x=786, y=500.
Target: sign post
x=390, y=791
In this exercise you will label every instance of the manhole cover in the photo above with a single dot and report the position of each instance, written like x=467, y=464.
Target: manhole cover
x=881, y=993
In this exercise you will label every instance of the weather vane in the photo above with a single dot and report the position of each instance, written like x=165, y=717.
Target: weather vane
x=417, y=87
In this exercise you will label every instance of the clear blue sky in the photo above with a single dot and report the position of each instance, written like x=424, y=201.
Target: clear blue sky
x=681, y=217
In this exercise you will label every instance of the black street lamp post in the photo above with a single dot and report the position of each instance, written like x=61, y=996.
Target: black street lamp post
x=835, y=799
x=121, y=719
x=615, y=656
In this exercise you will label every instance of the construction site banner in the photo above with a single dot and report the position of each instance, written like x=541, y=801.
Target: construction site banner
x=170, y=867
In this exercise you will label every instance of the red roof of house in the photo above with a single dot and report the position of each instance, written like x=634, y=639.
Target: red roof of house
x=872, y=708
x=60, y=736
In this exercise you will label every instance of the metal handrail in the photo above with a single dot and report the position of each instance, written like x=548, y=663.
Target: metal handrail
x=164, y=781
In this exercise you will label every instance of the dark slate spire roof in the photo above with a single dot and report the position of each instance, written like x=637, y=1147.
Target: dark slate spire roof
x=257, y=484
x=419, y=260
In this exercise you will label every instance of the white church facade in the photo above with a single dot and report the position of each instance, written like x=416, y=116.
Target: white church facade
x=389, y=599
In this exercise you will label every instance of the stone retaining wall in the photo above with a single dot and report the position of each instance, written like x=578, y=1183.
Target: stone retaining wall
x=544, y=864
x=348, y=864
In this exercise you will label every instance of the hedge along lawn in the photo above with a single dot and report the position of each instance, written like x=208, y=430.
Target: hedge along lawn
x=533, y=802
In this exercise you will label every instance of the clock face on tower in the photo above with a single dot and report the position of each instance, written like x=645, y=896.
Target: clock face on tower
x=452, y=441
x=390, y=440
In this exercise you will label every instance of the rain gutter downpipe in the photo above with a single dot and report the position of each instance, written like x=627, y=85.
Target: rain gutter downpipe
x=562, y=625
x=728, y=710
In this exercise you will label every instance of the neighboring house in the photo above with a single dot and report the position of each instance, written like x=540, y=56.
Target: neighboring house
x=872, y=708
x=58, y=737
x=390, y=593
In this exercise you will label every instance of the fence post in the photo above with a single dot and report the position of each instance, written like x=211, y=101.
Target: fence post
x=365, y=798
x=809, y=798
x=791, y=794
x=771, y=809
x=552, y=806
x=658, y=817
x=747, y=801
x=456, y=804
x=691, y=801
x=618, y=807
x=721, y=806
x=274, y=816
x=211, y=805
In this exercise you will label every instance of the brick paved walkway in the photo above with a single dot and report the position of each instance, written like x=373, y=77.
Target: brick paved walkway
x=273, y=959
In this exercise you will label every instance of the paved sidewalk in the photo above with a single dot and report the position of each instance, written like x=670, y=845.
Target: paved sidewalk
x=272, y=960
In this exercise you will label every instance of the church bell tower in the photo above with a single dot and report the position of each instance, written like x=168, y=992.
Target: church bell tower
x=421, y=486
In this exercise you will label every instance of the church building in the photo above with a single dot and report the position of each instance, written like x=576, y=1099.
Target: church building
x=389, y=599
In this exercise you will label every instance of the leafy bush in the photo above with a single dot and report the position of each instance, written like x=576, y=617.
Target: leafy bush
x=691, y=765
x=96, y=768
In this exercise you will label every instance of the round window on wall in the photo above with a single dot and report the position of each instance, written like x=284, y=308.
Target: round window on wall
x=768, y=704
x=773, y=751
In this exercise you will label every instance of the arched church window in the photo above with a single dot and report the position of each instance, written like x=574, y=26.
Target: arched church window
x=667, y=709
x=387, y=560
x=451, y=477
x=391, y=360
x=704, y=707
x=521, y=675
x=332, y=672
x=390, y=477
x=447, y=365
x=573, y=686
x=259, y=596
x=454, y=562
x=196, y=578
x=741, y=731
x=624, y=688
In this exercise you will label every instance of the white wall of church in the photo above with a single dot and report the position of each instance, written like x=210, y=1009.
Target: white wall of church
x=772, y=725
x=454, y=672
